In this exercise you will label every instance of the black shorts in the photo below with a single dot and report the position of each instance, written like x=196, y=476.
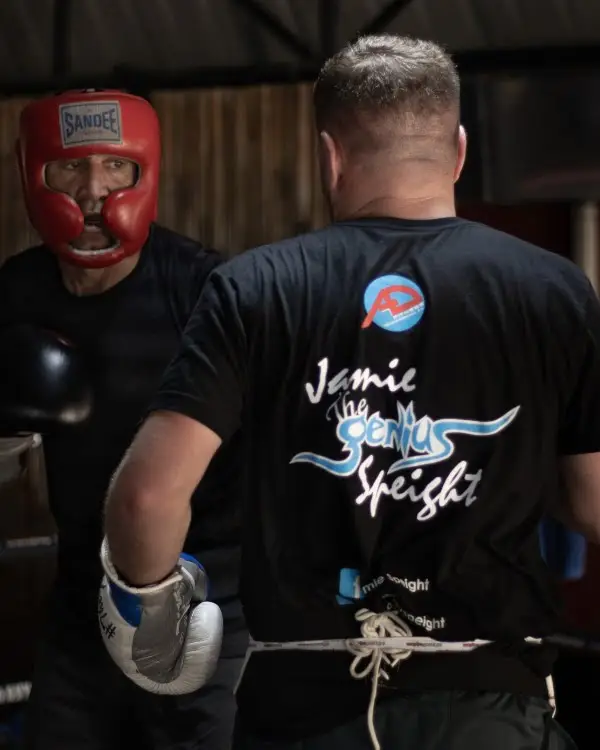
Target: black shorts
x=439, y=721
x=80, y=700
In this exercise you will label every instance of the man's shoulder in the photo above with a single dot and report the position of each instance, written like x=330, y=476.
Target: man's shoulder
x=495, y=247
x=310, y=241
x=281, y=256
x=177, y=249
x=514, y=247
x=554, y=290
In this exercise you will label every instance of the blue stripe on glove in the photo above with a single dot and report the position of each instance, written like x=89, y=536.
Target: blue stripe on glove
x=127, y=604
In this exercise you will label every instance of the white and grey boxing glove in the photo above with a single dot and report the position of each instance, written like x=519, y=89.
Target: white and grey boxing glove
x=166, y=638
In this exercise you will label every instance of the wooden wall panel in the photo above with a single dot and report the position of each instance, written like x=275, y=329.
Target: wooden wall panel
x=239, y=166
x=15, y=231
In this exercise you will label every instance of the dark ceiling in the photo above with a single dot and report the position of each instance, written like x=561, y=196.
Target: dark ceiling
x=48, y=44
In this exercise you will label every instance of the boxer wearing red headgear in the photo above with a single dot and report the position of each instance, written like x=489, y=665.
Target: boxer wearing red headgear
x=121, y=288
x=59, y=134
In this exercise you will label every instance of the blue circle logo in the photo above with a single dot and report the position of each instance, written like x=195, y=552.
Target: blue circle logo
x=393, y=303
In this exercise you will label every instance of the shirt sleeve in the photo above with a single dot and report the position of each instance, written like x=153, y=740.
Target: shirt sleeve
x=207, y=379
x=207, y=261
x=580, y=431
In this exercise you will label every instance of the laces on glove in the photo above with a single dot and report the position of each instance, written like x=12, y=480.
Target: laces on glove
x=377, y=625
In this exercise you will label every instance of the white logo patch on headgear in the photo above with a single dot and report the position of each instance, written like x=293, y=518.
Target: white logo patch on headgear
x=85, y=123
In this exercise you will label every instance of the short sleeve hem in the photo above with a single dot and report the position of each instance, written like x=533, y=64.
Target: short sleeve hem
x=581, y=448
x=193, y=408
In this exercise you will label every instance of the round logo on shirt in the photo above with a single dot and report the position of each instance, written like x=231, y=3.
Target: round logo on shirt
x=393, y=303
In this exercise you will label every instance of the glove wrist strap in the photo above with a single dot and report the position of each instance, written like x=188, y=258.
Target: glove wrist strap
x=113, y=576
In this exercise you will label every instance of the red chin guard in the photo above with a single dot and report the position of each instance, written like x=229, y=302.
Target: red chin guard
x=75, y=125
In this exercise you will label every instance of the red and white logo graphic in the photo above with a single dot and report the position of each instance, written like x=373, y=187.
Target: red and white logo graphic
x=393, y=303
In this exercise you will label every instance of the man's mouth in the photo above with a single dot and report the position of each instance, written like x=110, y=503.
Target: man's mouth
x=93, y=223
x=94, y=238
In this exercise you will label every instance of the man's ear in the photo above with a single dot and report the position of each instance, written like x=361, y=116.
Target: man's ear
x=461, y=152
x=330, y=162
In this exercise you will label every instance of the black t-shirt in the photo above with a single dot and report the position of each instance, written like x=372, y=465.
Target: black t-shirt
x=404, y=389
x=127, y=335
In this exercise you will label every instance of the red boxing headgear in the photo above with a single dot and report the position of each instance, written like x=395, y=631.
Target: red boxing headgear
x=75, y=125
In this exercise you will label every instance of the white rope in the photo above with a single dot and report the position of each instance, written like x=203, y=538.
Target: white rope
x=386, y=641
x=381, y=626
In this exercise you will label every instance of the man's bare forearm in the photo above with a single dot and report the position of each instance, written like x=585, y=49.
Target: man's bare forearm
x=145, y=534
x=148, y=509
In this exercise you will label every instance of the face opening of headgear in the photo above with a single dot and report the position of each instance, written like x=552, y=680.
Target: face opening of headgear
x=78, y=125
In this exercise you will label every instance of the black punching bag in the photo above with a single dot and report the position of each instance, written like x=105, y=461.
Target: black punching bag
x=43, y=382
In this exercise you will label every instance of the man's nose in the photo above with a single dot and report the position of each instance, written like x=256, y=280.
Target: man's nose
x=95, y=184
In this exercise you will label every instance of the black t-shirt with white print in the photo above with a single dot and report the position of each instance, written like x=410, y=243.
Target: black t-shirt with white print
x=403, y=389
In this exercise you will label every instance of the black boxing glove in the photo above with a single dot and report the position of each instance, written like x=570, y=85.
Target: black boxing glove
x=43, y=381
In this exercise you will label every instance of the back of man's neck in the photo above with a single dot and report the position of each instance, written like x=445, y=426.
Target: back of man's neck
x=85, y=282
x=423, y=209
